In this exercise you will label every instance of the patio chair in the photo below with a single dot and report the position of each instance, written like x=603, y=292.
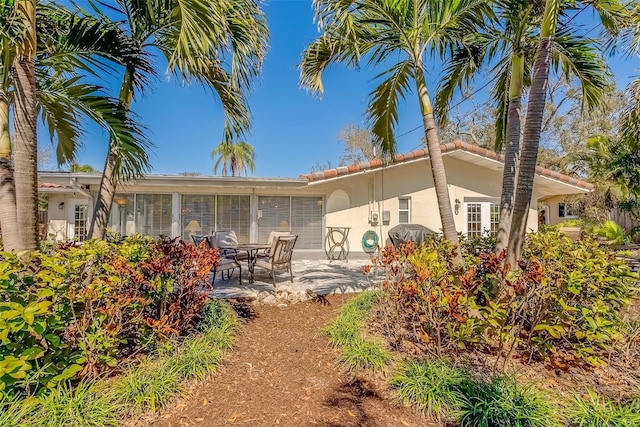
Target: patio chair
x=228, y=265
x=226, y=242
x=280, y=256
x=272, y=237
x=225, y=263
x=198, y=239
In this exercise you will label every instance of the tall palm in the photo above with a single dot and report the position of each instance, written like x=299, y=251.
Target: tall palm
x=614, y=15
x=25, y=113
x=509, y=46
x=236, y=157
x=195, y=38
x=66, y=46
x=404, y=34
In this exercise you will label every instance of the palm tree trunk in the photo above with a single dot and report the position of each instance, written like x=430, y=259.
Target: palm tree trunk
x=435, y=158
x=25, y=146
x=532, y=130
x=106, y=194
x=511, y=152
x=8, y=213
x=109, y=179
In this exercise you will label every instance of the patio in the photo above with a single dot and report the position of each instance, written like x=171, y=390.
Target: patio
x=310, y=277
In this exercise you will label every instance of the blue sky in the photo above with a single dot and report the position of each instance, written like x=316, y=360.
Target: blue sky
x=292, y=130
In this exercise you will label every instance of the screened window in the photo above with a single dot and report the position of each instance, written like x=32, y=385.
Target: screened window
x=80, y=222
x=234, y=213
x=148, y=214
x=404, y=210
x=299, y=215
x=204, y=214
x=153, y=214
x=474, y=220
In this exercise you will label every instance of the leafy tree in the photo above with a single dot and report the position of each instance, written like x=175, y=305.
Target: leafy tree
x=217, y=43
x=403, y=35
x=359, y=145
x=75, y=167
x=66, y=44
x=236, y=157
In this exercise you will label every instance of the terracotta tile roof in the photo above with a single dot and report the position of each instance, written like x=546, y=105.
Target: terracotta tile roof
x=51, y=185
x=444, y=148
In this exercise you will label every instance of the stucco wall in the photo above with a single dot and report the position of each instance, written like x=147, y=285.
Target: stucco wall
x=379, y=190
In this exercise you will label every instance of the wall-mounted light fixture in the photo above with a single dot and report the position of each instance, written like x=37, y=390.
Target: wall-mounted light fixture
x=61, y=205
x=456, y=206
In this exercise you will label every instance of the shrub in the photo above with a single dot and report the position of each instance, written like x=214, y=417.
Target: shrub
x=501, y=402
x=431, y=385
x=81, y=309
x=563, y=304
x=424, y=304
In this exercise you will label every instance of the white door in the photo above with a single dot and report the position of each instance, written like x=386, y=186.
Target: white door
x=481, y=217
x=77, y=219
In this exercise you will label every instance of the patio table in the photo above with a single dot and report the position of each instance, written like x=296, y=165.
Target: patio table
x=251, y=249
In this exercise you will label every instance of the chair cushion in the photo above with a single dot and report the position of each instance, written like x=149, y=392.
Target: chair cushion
x=226, y=239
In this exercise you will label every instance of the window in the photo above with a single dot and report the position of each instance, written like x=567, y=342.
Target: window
x=80, y=222
x=300, y=215
x=204, y=214
x=148, y=214
x=404, y=210
x=568, y=210
x=495, y=217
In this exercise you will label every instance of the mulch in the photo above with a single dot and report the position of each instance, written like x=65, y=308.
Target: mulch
x=283, y=372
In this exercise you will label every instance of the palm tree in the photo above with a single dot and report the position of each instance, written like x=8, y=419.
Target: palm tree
x=614, y=16
x=66, y=44
x=236, y=157
x=405, y=34
x=25, y=113
x=513, y=38
x=195, y=38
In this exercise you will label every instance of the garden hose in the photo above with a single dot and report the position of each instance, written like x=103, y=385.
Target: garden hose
x=370, y=241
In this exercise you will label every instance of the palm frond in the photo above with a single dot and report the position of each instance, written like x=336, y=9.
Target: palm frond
x=578, y=56
x=65, y=103
x=459, y=71
x=383, y=106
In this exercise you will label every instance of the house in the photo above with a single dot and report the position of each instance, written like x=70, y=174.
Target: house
x=369, y=196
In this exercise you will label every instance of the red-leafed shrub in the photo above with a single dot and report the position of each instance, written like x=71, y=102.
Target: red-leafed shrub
x=83, y=309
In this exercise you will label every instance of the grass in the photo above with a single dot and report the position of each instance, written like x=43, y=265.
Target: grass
x=431, y=385
x=597, y=411
x=142, y=387
x=345, y=333
x=13, y=410
x=81, y=406
x=148, y=385
x=502, y=402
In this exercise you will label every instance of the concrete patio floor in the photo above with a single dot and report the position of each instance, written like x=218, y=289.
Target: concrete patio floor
x=310, y=277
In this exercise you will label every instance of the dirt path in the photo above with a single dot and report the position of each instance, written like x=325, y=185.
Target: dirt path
x=282, y=372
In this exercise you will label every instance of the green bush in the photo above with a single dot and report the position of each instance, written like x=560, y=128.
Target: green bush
x=82, y=309
x=597, y=411
x=502, y=403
